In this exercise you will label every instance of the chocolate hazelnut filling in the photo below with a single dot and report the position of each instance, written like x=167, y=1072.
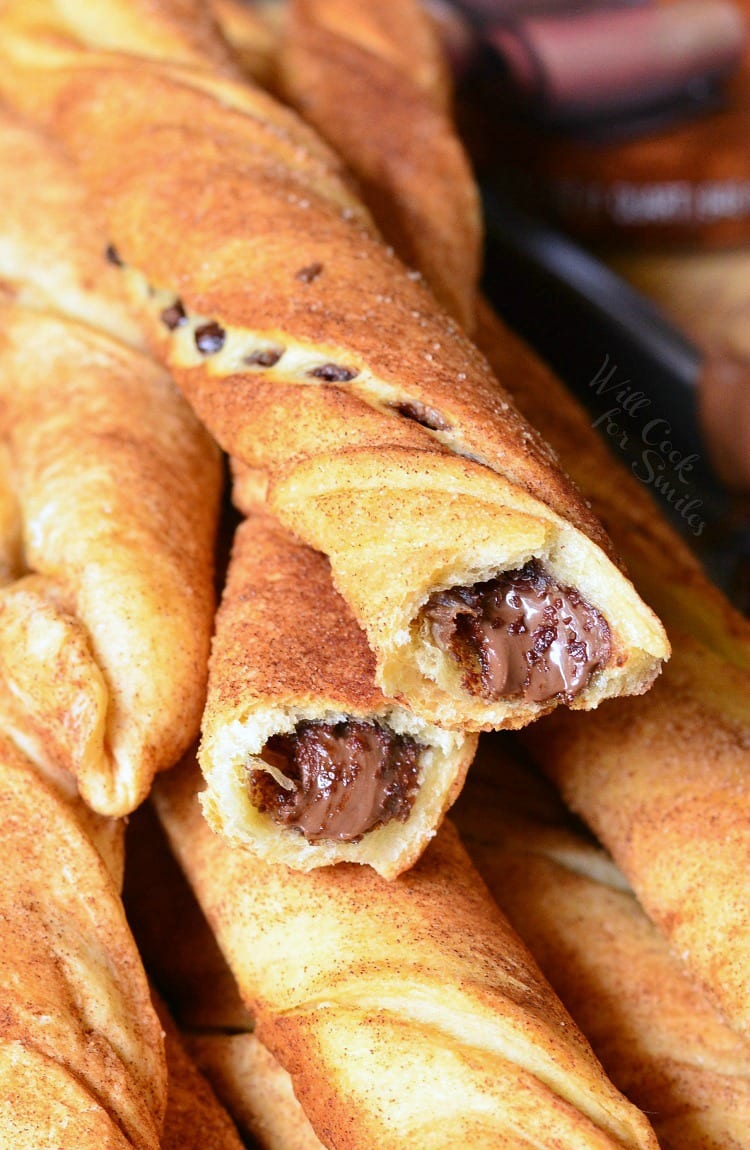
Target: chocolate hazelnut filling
x=210, y=338
x=174, y=316
x=348, y=778
x=332, y=373
x=419, y=413
x=520, y=634
x=266, y=357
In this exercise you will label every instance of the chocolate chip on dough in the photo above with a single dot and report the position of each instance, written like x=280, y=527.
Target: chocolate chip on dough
x=310, y=273
x=333, y=373
x=210, y=338
x=174, y=316
x=267, y=357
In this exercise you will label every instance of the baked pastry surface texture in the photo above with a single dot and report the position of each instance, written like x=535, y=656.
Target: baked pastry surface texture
x=111, y=492
x=81, y=1053
x=321, y=362
x=659, y=1038
x=663, y=780
x=407, y=1012
x=306, y=761
x=374, y=81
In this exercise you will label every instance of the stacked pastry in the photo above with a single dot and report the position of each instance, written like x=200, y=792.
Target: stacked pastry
x=392, y=1027
x=373, y=429
x=662, y=780
x=564, y=1089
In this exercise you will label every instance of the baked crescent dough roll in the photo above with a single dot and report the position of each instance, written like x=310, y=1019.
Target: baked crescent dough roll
x=181, y=954
x=373, y=80
x=662, y=781
x=658, y=1037
x=408, y=1013
x=307, y=762
x=111, y=491
x=102, y=649
x=314, y=356
x=81, y=1057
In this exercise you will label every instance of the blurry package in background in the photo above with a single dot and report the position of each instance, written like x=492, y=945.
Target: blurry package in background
x=624, y=119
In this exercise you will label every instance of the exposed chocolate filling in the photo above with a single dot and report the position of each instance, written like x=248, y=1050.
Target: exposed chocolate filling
x=310, y=273
x=332, y=373
x=174, y=316
x=520, y=634
x=210, y=338
x=419, y=413
x=349, y=778
x=267, y=357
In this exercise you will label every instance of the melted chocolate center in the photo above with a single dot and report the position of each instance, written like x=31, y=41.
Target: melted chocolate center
x=520, y=634
x=348, y=777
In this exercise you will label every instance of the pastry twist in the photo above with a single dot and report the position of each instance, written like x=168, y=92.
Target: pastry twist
x=407, y=1013
x=658, y=1037
x=321, y=363
x=81, y=1055
x=106, y=611
x=306, y=761
x=374, y=82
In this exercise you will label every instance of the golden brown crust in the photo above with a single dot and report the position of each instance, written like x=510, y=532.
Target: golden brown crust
x=373, y=81
x=111, y=488
x=656, y=1034
x=283, y=633
x=395, y=1032
x=81, y=1059
x=663, y=782
x=118, y=497
x=288, y=650
x=52, y=255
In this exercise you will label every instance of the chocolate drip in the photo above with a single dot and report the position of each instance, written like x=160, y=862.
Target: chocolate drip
x=521, y=634
x=348, y=777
